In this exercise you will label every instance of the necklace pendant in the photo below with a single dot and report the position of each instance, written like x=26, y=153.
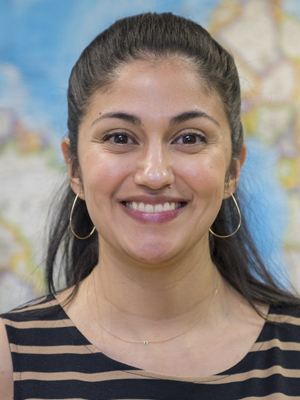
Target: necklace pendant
x=145, y=343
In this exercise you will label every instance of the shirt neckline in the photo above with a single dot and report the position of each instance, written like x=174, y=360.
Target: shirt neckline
x=131, y=369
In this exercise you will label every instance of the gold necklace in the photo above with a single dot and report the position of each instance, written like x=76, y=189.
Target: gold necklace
x=146, y=342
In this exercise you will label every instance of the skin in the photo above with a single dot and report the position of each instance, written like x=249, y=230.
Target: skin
x=6, y=368
x=111, y=173
x=155, y=277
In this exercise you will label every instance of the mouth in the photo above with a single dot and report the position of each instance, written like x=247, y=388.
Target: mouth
x=153, y=208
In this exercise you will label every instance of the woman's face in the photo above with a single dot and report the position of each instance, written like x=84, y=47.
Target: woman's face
x=154, y=152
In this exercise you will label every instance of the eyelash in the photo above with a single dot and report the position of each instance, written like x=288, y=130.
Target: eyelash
x=109, y=136
x=201, y=138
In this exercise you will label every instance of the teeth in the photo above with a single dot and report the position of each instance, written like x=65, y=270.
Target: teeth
x=158, y=208
x=149, y=208
x=167, y=207
x=141, y=207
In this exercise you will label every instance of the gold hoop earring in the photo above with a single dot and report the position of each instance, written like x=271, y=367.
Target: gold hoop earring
x=72, y=209
x=239, y=225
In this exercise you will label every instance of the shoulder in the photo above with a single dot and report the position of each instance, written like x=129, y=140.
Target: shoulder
x=20, y=322
x=6, y=367
x=15, y=331
x=283, y=324
x=37, y=309
x=287, y=315
x=25, y=316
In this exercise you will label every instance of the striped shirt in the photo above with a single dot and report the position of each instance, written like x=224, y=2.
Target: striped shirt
x=53, y=360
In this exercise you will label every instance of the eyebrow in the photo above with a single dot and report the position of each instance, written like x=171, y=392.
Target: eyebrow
x=183, y=117
x=191, y=115
x=120, y=115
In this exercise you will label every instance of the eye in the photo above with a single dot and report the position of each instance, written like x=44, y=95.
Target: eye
x=190, y=138
x=118, y=138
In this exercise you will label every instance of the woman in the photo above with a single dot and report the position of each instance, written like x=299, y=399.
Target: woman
x=166, y=295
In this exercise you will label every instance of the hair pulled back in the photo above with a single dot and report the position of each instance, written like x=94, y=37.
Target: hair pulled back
x=155, y=37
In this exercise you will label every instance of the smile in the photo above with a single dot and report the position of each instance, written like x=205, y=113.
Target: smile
x=150, y=208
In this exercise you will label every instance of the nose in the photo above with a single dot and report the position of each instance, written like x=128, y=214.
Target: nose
x=154, y=170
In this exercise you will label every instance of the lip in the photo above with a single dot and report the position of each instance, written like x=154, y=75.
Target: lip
x=158, y=217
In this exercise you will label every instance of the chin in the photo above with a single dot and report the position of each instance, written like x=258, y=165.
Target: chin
x=153, y=254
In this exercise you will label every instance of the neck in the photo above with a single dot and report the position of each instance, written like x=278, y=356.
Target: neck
x=130, y=297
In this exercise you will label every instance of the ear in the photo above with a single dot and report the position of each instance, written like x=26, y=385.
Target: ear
x=74, y=177
x=236, y=168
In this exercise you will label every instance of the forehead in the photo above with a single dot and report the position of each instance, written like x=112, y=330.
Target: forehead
x=157, y=88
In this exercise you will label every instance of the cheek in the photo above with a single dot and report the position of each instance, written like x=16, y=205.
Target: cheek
x=103, y=173
x=205, y=174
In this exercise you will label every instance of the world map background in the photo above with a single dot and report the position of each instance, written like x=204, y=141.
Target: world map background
x=40, y=40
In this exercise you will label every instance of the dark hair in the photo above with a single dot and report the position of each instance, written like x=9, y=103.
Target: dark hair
x=150, y=37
